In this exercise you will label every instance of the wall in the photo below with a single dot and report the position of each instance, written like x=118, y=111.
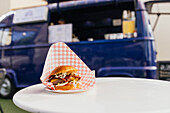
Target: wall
x=7, y=5
x=161, y=33
x=4, y=6
x=18, y=4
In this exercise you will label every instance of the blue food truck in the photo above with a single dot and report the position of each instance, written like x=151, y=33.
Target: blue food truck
x=97, y=26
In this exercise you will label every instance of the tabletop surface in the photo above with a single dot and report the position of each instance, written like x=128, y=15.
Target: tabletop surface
x=109, y=95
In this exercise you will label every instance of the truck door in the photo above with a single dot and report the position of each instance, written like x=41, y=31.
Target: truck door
x=5, y=49
x=28, y=52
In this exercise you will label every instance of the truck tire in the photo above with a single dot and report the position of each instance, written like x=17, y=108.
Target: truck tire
x=8, y=89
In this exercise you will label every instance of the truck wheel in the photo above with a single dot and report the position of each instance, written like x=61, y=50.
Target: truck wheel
x=8, y=89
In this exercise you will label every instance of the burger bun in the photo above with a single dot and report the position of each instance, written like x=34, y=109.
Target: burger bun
x=63, y=69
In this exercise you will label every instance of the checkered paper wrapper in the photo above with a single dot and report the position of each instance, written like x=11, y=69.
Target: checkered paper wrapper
x=60, y=54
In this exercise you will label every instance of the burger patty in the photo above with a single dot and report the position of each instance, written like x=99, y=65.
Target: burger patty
x=68, y=77
x=58, y=81
x=62, y=80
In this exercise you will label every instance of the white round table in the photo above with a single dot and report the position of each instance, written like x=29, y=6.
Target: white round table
x=110, y=95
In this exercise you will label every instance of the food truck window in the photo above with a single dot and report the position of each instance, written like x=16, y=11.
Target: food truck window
x=23, y=38
x=92, y=23
x=5, y=36
x=28, y=34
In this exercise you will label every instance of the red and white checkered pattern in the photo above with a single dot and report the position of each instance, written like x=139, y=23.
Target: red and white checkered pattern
x=60, y=54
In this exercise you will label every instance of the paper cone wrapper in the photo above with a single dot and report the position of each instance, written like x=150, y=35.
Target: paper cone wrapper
x=60, y=54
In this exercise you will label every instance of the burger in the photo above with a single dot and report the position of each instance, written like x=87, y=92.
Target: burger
x=64, y=78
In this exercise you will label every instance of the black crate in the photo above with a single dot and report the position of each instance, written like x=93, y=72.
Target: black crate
x=164, y=70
